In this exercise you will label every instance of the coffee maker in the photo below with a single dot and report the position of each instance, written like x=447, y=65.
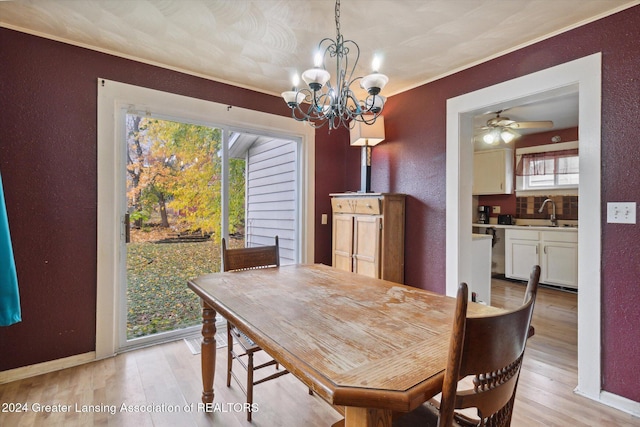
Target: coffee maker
x=483, y=214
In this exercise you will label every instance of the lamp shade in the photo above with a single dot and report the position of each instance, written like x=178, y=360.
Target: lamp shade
x=364, y=134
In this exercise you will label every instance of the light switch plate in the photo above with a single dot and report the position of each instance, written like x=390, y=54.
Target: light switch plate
x=621, y=212
x=324, y=219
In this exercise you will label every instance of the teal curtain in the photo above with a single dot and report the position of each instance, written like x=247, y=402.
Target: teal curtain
x=9, y=296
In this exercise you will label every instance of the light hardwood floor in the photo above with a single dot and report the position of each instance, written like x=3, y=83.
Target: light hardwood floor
x=168, y=377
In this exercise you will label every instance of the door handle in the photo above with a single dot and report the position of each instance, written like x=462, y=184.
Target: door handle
x=127, y=228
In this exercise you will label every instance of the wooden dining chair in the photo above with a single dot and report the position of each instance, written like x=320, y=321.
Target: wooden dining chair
x=246, y=259
x=487, y=350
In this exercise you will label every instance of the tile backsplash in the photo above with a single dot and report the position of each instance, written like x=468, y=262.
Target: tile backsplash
x=566, y=207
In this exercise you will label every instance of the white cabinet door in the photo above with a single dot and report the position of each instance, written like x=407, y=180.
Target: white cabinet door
x=560, y=258
x=480, y=283
x=556, y=252
x=493, y=172
x=521, y=253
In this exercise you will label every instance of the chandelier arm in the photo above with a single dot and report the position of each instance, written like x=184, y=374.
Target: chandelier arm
x=323, y=105
x=355, y=63
x=357, y=108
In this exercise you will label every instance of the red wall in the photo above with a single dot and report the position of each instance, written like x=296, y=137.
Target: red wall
x=48, y=158
x=412, y=161
x=48, y=164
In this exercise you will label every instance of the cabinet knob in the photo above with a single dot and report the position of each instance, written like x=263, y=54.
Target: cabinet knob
x=339, y=206
x=369, y=205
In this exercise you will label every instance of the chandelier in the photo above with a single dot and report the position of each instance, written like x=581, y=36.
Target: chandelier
x=335, y=103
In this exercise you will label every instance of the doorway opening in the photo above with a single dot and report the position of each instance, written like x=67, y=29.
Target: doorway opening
x=586, y=74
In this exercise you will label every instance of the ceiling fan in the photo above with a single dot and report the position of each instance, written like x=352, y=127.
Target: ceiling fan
x=501, y=128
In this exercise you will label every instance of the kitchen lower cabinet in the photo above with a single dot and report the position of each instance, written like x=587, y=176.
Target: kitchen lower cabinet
x=555, y=251
x=368, y=234
x=480, y=283
x=560, y=258
x=521, y=253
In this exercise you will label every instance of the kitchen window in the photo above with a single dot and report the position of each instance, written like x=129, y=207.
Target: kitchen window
x=549, y=168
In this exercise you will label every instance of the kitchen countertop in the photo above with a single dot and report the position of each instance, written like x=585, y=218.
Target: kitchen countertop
x=476, y=236
x=562, y=227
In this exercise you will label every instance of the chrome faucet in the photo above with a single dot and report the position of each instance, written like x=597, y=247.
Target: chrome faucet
x=554, y=221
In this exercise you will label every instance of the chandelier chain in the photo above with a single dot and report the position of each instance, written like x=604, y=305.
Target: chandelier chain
x=337, y=19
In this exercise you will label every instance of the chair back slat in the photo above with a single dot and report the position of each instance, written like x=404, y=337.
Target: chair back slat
x=250, y=258
x=491, y=343
x=491, y=349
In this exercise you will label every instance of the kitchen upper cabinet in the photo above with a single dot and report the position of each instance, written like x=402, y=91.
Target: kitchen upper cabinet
x=556, y=252
x=368, y=234
x=493, y=172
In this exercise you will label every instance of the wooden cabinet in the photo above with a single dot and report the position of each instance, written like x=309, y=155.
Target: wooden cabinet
x=493, y=172
x=555, y=251
x=368, y=234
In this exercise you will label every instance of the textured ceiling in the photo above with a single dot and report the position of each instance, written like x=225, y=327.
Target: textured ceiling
x=260, y=44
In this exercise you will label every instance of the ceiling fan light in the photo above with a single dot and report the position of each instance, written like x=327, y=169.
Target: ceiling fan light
x=507, y=136
x=491, y=137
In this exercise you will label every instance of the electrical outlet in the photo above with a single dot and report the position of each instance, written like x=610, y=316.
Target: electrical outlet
x=621, y=212
x=496, y=209
x=324, y=219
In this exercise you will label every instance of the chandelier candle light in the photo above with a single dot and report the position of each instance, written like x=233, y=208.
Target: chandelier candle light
x=335, y=103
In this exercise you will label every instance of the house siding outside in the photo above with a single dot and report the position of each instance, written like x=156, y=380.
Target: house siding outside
x=272, y=196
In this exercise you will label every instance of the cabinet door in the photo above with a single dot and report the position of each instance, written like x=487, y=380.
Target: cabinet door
x=366, y=245
x=560, y=264
x=520, y=257
x=492, y=172
x=343, y=242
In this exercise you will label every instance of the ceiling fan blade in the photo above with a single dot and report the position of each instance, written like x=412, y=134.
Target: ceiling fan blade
x=531, y=125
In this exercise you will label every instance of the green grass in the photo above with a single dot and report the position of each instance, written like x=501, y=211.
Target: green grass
x=158, y=299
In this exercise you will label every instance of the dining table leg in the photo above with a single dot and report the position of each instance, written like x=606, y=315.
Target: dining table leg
x=208, y=351
x=367, y=417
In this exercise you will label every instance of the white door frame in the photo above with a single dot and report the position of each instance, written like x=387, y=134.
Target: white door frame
x=585, y=73
x=114, y=98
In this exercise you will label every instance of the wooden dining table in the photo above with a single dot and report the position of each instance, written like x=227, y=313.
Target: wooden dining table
x=371, y=346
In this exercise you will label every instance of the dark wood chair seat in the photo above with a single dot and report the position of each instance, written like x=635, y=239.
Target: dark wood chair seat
x=485, y=354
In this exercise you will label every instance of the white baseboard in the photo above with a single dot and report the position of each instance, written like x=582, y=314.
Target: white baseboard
x=622, y=403
x=46, y=367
